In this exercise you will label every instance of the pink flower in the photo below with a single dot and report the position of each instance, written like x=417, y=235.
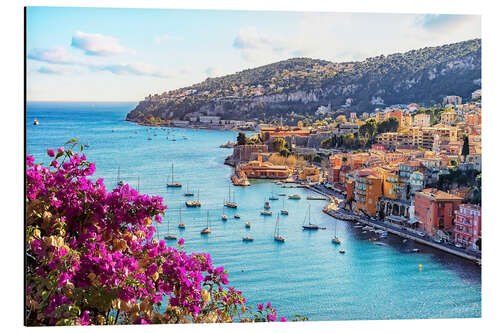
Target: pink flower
x=268, y=305
x=260, y=307
x=181, y=241
x=282, y=319
x=50, y=152
x=61, y=150
x=271, y=317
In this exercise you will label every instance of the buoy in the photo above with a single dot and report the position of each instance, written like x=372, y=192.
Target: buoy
x=420, y=267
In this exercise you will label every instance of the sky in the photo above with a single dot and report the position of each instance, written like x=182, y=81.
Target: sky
x=110, y=54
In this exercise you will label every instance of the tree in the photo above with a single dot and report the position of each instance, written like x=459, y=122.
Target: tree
x=279, y=144
x=241, y=139
x=368, y=129
x=285, y=152
x=341, y=119
x=465, y=147
x=388, y=125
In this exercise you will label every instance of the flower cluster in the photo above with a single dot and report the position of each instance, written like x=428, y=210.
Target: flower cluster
x=92, y=258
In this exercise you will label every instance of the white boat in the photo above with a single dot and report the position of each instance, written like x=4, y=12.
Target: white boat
x=194, y=203
x=294, y=197
x=188, y=193
x=247, y=224
x=207, y=229
x=267, y=205
x=273, y=197
x=309, y=225
x=277, y=236
x=283, y=210
x=168, y=236
x=229, y=203
x=266, y=212
x=36, y=122
x=181, y=225
x=248, y=239
x=223, y=216
x=172, y=183
x=336, y=239
x=236, y=216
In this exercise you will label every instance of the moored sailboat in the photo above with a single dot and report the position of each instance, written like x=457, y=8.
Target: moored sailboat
x=277, y=236
x=172, y=183
x=309, y=225
x=207, y=229
x=188, y=193
x=168, y=236
x=181, y=225
x=283, y=210
x=194, y=203
x=335, y=239
x=229, y=203
x=223, y=216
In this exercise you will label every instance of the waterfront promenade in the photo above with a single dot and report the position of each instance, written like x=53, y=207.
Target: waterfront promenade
x=393, y=228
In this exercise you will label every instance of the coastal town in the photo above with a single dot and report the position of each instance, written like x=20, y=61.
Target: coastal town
x=410, y=170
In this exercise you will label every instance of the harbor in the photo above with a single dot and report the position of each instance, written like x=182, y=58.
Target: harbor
x=307, y=267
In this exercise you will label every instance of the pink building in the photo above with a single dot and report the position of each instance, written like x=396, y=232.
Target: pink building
x=468, y=225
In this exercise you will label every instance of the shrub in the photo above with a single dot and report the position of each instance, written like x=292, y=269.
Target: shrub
x=92, y=258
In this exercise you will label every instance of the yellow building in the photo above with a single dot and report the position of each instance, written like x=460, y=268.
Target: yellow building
x=310, y=174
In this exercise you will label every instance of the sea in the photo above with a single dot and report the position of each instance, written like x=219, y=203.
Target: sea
x=306, y=275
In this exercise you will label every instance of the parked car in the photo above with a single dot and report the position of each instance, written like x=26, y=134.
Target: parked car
x=421, y=233
x=458, y=245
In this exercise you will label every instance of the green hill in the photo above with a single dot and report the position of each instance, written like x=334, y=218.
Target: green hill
x=297, y=87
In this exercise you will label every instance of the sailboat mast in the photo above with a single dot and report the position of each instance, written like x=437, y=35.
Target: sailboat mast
x=278, y=225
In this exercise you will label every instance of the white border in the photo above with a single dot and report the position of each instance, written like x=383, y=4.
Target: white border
x=12, y=149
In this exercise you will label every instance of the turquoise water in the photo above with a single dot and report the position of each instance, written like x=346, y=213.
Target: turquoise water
x=305, y=275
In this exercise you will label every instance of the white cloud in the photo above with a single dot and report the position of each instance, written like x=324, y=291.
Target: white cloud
x=98, y=45
x=141, y=69
x=160, y=39
x=346, y=37
x=215, y=72
x=57, y=55
x=58, y=70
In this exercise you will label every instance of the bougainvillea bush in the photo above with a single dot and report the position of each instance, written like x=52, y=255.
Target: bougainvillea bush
x=91, y=258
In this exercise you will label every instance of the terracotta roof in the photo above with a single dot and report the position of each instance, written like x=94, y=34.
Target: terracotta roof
x=436, y=194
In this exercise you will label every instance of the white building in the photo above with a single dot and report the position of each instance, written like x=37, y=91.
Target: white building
x=209, y=119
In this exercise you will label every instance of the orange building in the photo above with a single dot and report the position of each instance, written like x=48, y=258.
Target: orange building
x=435, y=210
x=391, y=184
x=259, y=169
x=367, y=191
x=473, y=119
x=398, y=114
x=268, y=132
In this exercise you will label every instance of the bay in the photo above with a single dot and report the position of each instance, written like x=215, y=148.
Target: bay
x=306, y=275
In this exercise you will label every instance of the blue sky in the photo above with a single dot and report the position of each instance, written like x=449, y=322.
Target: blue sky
x=100, y=54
